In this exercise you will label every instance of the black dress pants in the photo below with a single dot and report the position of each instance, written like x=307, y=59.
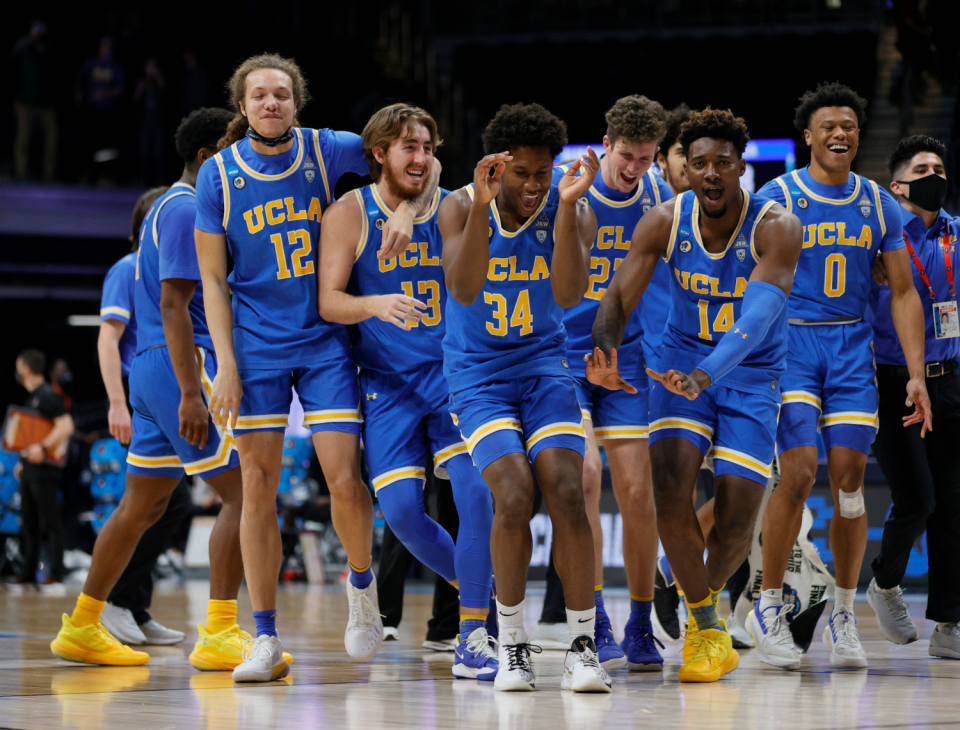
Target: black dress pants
x=924, y=479
x=40, y=518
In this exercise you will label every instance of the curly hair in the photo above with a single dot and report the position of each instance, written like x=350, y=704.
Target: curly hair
x=717, y=123
x=140, y=209
x=829, y=94
x=909, y=147
x=675, y=118
x=524, y=125
x=199, y=129
x=386, y=126
x=636, y=119
x=237, y=90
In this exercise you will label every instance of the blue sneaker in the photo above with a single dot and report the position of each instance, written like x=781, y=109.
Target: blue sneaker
x=475, y=658
x=640, y=646
x=610, y=654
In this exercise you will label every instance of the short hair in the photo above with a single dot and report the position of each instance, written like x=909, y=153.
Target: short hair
x=140, y=211
x=200, y=129
x=387, y=124
x=829, y=94
x=636, y=119
x=524, y=125
x=717, y=123
x=35, y=360
x=675, y=118
x=910, y=147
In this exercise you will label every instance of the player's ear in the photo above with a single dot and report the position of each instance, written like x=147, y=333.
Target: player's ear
x=242, y=110
x=205, y=154
x=807, y=137
x=743, y=166
x=895, y=188
x=378, y=154
x=607, y=145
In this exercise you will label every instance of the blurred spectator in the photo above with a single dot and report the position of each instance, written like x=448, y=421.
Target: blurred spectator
x=40, y=481
x=61, y=379
x=148, y=100
x=196, y=85
x=33, y=68
x=98, y=89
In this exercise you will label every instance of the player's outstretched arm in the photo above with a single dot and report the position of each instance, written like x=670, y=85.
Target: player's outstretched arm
x=175, y=297
x=340, y=243
x=464, y=226
x=648, y=244
x=907, y=312
x=575, y=229
x=398, y=230
x=227, y=391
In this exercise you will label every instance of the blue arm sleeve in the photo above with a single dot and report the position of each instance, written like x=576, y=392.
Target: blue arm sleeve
x=762, y=304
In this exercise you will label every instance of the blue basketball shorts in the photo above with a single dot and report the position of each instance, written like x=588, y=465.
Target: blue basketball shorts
x=406, y=418
x=736, y=428
x=615, y=414
x=520, y=416
x=156, y=448
x=328, y=392
x=831, y=385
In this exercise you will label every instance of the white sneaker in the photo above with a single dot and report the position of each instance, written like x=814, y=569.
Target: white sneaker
x=120, y=623
x=893, y=616
x=159, y=635
x=739, y=634
x=772, y=636
x=262, y=661
x=945, y=640
x=441, y=645
x=841, y=637
x=391, y=633
x=56, y=589
x=581, y=668
x=515, y=673
x=364, y=632
x=551, y=636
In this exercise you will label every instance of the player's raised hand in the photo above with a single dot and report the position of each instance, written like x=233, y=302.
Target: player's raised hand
x=194, y=420
x=487, y=176
x=918, y=397
x=572, y=186
x=679, y=383
x=600, y=372
x=397, y=233
x=225, y=397
x=398, y=309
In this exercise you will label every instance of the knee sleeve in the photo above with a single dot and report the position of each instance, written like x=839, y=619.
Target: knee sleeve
x=402, y=505
x=475, y=508
x=851, y=504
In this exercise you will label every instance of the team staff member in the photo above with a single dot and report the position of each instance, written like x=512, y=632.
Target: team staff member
x=922, y=472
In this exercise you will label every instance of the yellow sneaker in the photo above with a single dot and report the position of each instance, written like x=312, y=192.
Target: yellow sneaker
x=93, y=644
x=221, y=652
x=691, y=636
x=715, y=657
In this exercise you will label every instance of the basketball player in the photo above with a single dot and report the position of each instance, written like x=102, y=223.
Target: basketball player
x=263, y=196
x=515, y=250
x=398, y=348
x=624, y=190
x=830, y=384
x=732, y=256
x=171, y=430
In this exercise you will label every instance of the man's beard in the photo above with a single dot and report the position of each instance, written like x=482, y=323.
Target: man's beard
x=397, y=187
x=718, y=214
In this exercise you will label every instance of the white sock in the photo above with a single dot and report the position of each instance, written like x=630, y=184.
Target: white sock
x=771, y=597
x=510, y=619
x=843, y=598
x=582, y=623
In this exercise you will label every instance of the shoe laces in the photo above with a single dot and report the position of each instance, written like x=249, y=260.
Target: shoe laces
x=777, y=629
x=590, y=659
x=483, y=646
x=518, y=655
x=642, y=637
x=893, y=600
x=258, y=648
x=109, y=638
x=362, y=610
x=709, y=647
x=951, y=627
x=845, y=627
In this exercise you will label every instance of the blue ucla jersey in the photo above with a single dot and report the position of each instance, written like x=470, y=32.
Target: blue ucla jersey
x=168, y=251
x=514, y=327
x=416, y=272
x=707, y=291
x=269, y=207
x=844, y=227
x=117, y=302
x=617, y=215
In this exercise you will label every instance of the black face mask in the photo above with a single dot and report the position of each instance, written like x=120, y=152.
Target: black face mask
x=270, y=141
x=927, y=192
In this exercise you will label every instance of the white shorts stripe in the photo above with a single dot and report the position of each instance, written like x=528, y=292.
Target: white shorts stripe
x=447, y=453
x=721, y=453
x=621, y=432
x=501, y=424
x=555, y=429
x=801, y=396
x=687, y=424
x=396, y=475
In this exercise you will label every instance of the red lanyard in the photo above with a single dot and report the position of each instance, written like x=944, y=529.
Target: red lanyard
x=948, y=260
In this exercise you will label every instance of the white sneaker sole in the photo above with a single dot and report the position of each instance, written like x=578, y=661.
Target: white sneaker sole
x=943, y=652
x=840, y=661
x=891, y=637
x=512, y=685
x=360, y=655
x=462, y=671
x=250, y=675
x=591, y=684
x=154, y=641
x=615, y=663
x=773, y=661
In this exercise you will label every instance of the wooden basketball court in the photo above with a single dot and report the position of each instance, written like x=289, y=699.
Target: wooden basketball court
x=406, y=686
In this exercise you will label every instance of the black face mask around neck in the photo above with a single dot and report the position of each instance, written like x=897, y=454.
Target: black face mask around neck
x=270, y=141
x=927, y=192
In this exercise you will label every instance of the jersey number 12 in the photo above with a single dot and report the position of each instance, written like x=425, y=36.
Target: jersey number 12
x=300, y=267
